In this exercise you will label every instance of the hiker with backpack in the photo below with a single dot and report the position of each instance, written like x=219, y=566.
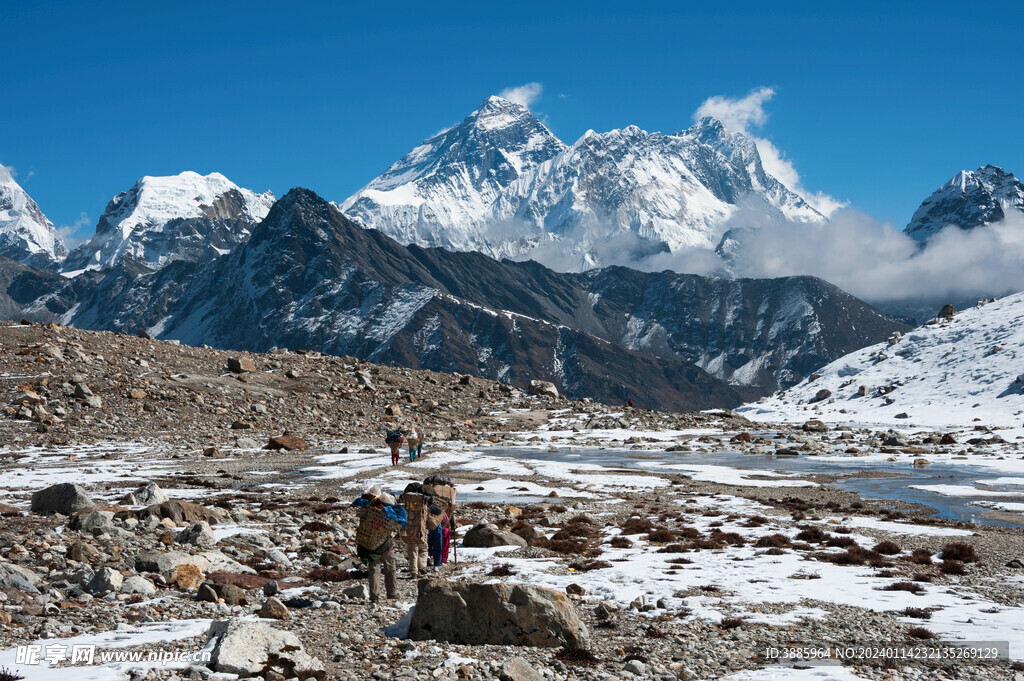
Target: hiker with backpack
x=415, y=532
x=415, y=444
x=380, y=518
x=437, y=526
x=394, y=441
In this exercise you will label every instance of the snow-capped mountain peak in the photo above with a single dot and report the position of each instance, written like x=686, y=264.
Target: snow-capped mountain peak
x=26, y=235
x=178, y=217
x=501, y=183
x=972, y=198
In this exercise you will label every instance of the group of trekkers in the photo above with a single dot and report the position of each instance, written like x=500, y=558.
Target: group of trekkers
x=423, y=516
x=396, y=438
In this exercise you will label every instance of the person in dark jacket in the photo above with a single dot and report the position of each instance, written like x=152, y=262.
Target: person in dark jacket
x=380, y=519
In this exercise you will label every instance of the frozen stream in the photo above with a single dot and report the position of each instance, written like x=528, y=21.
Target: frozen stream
x=904, y=487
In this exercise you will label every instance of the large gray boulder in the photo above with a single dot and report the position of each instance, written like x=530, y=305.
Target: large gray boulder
x=495, y=614
x=16, y=577
x=105, y=580
x=94, y=523
x=485, y=535
x=64, y=497
x=255, y=649
x=543, y=389
x=197, y=534
x=209, y=561
x=146, y=495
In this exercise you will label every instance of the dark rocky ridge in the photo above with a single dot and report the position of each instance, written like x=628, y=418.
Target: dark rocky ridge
x=310, y=278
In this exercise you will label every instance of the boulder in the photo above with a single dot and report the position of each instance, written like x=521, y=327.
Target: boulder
x=814, y=426
x=183, y=512
x=518, y=669
x=487, y=535
x=94, y=523
x=240, y=365
x=208, y=561
x=947, y=312
x=822, y=394
x=495, y=614
x=256, y=649
x=197, y=534
x=273, y=609
x=106, y=580
x=16, y=577
x=358, y=592
x=138, y=585
x=393, y=410
x=146, y=495
x=288, y=443
x=543, y=389
x=64, y=497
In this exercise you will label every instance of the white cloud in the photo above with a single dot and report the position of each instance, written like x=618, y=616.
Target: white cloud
x=746, y=114
x=76, y=233
x=871, y=260
x=7, y=173
x=524, y=94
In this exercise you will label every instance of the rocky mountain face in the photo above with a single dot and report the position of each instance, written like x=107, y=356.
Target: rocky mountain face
x=502, y=184
x=310, y=278
x=26, y=235
x=159, y=220
x=972, y=198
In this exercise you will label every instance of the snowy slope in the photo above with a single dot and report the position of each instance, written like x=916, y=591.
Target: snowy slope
x=943, y=373
x=502, y=184
x=26, y=235
x=178, y=217
x=971, y=199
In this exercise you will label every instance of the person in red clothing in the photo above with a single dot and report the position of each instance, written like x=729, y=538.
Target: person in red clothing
x=394, y=440
x=629, y=402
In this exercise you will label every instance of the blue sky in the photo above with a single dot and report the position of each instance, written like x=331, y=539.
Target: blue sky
x=876, y=104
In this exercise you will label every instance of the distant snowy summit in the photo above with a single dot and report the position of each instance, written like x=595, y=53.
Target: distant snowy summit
x=179, y=217
x=26, y=235
x=501, y=183
x=955, y=370
x=973, y=198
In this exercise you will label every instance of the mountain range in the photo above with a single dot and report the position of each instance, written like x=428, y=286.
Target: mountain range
x=501, y=183
x=308, y=277
x=407, y=270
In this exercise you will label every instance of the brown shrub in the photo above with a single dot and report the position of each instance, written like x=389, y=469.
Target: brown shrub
x=773, y=540
x=921, y=557
x=575, y=530
x=731, y=622
x=917, y=613
x=560, y=545
x=587, y=566
x=888, y=548
x=661, y=535
x=920, y=632
x=576, y=656
x=959, y=551
x=729, y=538
x=326, y=574
x=812, y=533
x=636, y=526
x=620, y=543
x=502, y=570
x=952, y=567
x=524, y=530
x=673, y=548
x=904, y=586
x=316, y=526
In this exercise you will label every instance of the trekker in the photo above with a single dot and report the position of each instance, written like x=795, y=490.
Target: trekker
x=380, y=518
x=415, y=444
x=437, y=527
x=415, y=532
x=394, y=441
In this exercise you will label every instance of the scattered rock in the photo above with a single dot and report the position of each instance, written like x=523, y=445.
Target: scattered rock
x=197, y=534
x=106, y=580
x=815, y=426
x=518, y=669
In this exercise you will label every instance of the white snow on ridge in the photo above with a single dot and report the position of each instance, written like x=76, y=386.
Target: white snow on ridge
x=947, y=373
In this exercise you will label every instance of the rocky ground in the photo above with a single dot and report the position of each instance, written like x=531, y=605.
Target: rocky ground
x=218, y=528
